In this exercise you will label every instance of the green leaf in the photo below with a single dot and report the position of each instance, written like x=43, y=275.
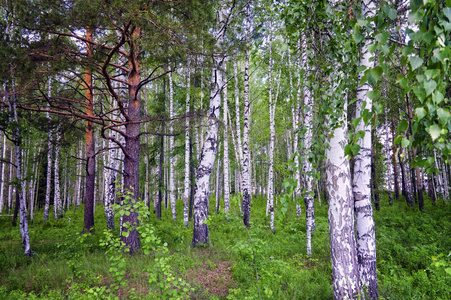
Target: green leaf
x=415, y=62
x=443, y=115
x=382, y=37
x=405, y=142
x=434, y=131
x=356, y=121
x=355, y=149
x=392, y=14
x=357, y=37
x=372, y=48
x=447, y=12
x=437, y=97
x=376, y=73
x=420, y=112
x=373, y=94
x=402, y=125
x=398, y=139
x=430, y=86
x=361, y=69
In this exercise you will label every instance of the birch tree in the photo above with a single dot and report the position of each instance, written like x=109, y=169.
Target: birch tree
x=186, y=190
x=272, y=129
x=345, y=268
x=366, y=239
x=210, y=145
x=308, y=139
x=48, y=188
x=171, y=147
x=226, y=148
x=57, y=192
x=246, y=166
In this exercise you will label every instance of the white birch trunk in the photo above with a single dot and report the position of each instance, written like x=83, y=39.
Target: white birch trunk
x=366, y=239
x=171, y=146
x=272, y=129
x=246, y=186
x=345, y=272
x=238, y=125
x=57, y=192
x=308, y=137
x=226, y=147
x=48, y=188
x=210, y=145
x=186, y=190
x=18, y=162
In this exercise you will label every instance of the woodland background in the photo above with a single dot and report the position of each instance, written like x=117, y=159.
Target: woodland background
x=225, y=149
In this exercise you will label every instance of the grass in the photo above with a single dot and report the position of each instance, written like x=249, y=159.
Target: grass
x=413, y=261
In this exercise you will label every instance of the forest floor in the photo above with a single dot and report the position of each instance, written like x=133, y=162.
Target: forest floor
x=413, y=258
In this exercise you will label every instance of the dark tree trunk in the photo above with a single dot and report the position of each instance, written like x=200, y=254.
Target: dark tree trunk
x=395, y=168
x=373, y=181
x=132, y=143
x=90, y=146
x=192, y=178
x=16, y=209
x=160, y=178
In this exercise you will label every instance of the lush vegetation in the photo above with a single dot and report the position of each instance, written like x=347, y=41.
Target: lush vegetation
x=413, y=258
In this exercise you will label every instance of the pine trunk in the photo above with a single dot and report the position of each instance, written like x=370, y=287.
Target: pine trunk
x=90, y=145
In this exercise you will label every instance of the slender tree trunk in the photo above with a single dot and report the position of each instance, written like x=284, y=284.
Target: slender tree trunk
x=186, y=191
x=272, y=129
x=308, y=140
x=57, y=193
x=246, y=163
x=238, y=126
x=10, y=187
x=18, y=162
x=49, y=161
x=395, y=167
x=366, y=236
x=226, y=149
x=218, y=184
x=160, y=178
x=2, y=180
x=171, y=147
x=210, y=145
x=345, y=268
x=90, y=144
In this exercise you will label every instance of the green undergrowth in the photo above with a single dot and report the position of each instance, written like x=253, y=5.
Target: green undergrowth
x=413, y=257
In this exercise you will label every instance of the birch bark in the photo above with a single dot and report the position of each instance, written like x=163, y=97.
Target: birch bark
x=48, y=188
x=171, y=147
x=345, y=271
x=23, y=223
x=210, y=145
x=246, y=186
x=226, y=148
x=308, y=137
x=272, y=129
x=186, y=190
x=366, y=238
x=238, y=125
x=57, y=205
